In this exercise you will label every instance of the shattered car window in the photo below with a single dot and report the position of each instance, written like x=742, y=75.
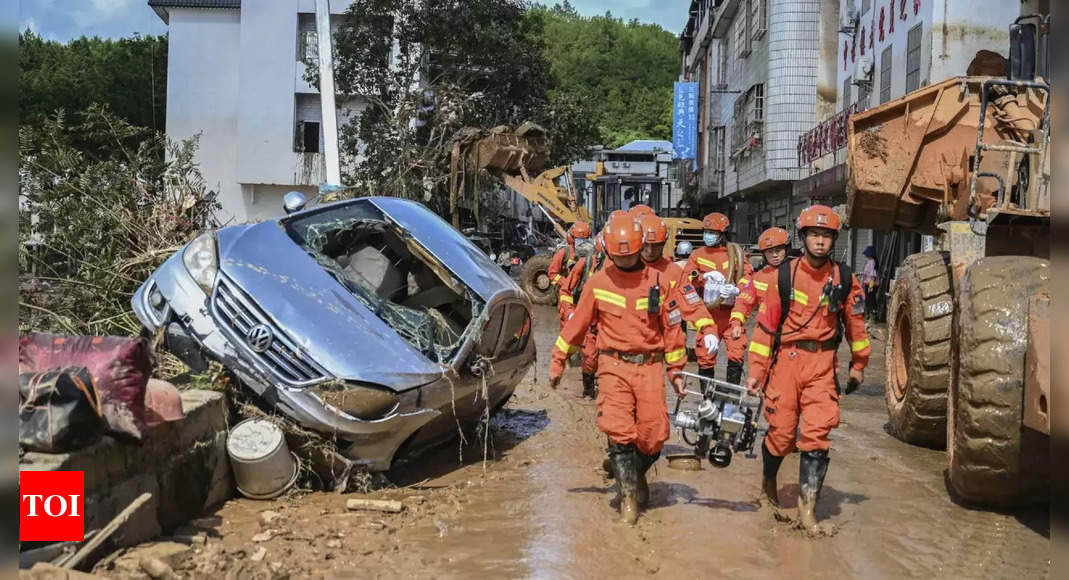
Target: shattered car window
x=391, y=274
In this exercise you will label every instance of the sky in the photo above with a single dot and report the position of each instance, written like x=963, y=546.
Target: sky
x=65, y=19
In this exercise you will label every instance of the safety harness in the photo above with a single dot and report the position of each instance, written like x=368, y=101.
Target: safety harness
x=591, y=265
x=836, y=293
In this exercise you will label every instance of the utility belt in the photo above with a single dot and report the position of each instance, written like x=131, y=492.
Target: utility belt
x=638, y=358
x=813, y=345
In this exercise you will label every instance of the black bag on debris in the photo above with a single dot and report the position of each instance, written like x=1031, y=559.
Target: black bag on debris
x=59, y=410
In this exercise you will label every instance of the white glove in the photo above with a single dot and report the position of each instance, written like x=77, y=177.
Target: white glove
x=713, y=281
x=714, y=278
x=728, y=291
x=711, y=343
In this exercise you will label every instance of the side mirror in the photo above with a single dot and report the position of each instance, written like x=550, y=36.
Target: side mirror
x=294, y=201
x=1023, y=51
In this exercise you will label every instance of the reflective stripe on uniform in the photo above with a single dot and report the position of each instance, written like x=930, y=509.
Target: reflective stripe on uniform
x=725, y=265
x=556, y=279
x=671, y=283
x=758, y=348
x=675, y=355
x=706, y=263
x=801, y=297
x=567, y=298
x=762, y=286
x=565, y=347
x=859, y=345
x=614, y=299
x=739, y=316
x=644, y=303
x=702, y=323
x=744, y=281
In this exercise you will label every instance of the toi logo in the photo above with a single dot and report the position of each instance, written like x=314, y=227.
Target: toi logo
x=51, y=506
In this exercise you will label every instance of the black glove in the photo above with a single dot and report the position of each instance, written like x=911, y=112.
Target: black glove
x=852, y=385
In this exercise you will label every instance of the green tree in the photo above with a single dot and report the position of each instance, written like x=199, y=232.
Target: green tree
x=626, y=70
x=129, y=75
x=434, y=71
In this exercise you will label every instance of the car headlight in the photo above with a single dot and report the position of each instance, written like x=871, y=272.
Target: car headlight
x=363, y=401
x=201, y=259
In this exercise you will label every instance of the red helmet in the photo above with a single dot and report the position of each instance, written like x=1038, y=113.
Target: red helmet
x=819, y=216
x=623, y=236
x=716, y=221
x=580, y=230
x=773, y=237
x=637, y=211
x=653, y=229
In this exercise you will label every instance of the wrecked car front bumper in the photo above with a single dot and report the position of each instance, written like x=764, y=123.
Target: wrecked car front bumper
x=171, y=301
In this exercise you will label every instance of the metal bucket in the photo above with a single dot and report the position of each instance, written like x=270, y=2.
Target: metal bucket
x=263, y=466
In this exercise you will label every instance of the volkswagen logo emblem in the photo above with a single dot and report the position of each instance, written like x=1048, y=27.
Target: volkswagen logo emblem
x=260, y=338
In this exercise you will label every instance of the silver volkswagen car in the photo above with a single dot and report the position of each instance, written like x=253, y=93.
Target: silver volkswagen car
x=370, y=320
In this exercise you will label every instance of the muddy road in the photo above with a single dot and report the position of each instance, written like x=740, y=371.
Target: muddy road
x=539, y=508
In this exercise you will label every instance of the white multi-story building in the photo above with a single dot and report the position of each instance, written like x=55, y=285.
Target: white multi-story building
x=235, y=77
x=885, y=49
x=757, y=65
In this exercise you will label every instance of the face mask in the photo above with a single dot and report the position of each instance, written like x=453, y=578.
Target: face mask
x=711, y=238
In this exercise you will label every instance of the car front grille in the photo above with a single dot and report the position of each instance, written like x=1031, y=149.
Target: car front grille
x=237, y=314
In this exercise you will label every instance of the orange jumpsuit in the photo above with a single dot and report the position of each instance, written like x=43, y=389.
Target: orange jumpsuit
x=691, y=305
x=803, y=381
x=751, y=293
x=566, y=306
x=561, y=264
x=715, y=259
x=631, y=396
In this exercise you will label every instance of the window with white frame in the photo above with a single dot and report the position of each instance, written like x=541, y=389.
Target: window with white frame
x=885, y=75
x=742, y=39
x=913, y=58
x=722, y=69
x=748, y=118
x=846, y=92
x=758, y=18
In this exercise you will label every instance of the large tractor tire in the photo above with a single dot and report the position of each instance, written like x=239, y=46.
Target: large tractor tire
x=534, y=279
x=918, y=350
x=994, y=460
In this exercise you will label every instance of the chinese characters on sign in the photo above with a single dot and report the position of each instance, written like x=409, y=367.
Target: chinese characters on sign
x=685, y=121
x=825, y=138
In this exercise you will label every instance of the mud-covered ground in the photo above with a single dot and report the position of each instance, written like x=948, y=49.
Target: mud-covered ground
x=539, y=507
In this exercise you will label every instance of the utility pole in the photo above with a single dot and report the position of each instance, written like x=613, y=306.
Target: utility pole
x=326, y=98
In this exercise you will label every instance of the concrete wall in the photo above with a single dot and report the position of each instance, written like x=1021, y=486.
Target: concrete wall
x=204, y=99
x=745, y=170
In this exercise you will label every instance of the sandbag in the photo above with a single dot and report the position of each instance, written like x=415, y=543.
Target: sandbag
x=59, y=410
x=120, y=367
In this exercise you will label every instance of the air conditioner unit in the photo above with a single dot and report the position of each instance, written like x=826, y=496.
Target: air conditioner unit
x=863, y=71
x=849, y=19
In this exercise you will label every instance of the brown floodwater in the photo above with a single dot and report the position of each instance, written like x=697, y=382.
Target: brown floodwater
x=539, y=507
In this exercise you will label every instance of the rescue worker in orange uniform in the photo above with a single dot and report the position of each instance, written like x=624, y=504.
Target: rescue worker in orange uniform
x=773, y=244
x=564, y=258
x=571, y=289
x=716, y=258
x=638, y=335
x=807, y=308
x=691, y=306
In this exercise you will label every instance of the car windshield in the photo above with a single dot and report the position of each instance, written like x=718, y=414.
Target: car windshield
x=390, y=273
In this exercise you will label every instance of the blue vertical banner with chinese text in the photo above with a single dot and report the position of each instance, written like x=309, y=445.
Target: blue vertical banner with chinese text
x=685, y=121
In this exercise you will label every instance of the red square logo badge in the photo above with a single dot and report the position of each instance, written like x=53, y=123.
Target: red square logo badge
x=51, y=506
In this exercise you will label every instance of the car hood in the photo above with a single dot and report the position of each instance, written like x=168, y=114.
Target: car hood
x=333, y=328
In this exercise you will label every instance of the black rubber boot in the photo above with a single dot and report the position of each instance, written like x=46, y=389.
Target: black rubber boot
x=588, y=385
x=625, y=466
x=645, y=462
x=734, y=372
x=769, y=487
x=812, y=468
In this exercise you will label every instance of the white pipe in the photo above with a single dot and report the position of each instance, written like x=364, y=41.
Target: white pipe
x=326, y=94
